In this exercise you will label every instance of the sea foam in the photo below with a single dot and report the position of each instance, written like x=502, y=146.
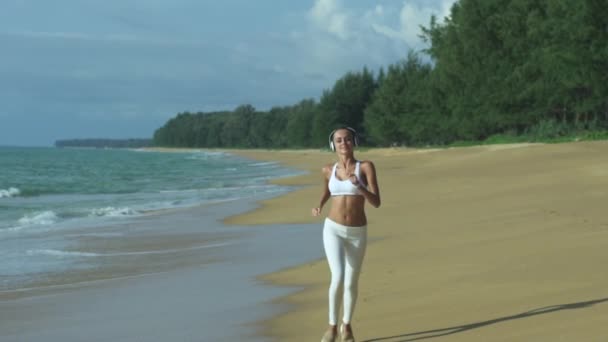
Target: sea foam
x=113, y=212
x=59, y=253
x=10, y=192
x=39, y=219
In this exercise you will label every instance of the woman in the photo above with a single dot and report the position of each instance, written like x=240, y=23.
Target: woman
x=349, y=183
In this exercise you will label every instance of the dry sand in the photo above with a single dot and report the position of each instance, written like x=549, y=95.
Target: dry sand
x=488, y=243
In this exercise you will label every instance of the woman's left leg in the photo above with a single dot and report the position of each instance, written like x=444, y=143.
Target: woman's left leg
x=354, y=248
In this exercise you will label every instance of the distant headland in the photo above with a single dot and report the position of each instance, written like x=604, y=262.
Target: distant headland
x=104, y=143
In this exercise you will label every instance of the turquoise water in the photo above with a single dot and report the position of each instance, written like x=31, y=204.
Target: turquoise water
x=45, y=192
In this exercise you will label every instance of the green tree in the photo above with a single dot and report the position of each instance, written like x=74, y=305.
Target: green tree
x=343, y=105
x=299, y=123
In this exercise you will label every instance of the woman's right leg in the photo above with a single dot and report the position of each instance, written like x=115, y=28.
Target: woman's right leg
x=334, y=251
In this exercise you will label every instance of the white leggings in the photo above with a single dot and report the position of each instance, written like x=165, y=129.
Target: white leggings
x=345, y=249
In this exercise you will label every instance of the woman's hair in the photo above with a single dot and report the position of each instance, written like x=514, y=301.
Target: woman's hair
x=352, y=131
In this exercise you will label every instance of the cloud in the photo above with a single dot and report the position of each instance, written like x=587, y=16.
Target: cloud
x=128, y=38
x=412, y=16
x=328, y=15
x=342, y=37
x=331, y=18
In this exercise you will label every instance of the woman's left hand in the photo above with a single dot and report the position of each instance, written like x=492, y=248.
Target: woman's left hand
x=353, y=179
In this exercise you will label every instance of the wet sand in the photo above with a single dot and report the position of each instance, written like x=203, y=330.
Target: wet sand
x=180, y=275
x=487, y=243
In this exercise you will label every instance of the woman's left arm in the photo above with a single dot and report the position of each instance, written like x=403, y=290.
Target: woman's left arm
x=372, y=192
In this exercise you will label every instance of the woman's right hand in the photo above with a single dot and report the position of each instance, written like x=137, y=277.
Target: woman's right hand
x=316, y=211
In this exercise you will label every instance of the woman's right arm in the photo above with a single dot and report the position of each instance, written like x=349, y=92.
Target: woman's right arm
x=325, y=194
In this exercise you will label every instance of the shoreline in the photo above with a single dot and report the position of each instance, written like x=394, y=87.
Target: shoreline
x=470, y=244
x=218, y=300
x=144, y=253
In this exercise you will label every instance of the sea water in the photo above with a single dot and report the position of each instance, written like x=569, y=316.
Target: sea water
x=45, y=193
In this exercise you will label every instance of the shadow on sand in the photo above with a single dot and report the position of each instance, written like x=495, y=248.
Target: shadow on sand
x=422, y=335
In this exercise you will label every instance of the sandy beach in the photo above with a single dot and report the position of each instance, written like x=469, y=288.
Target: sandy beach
x=485, y=243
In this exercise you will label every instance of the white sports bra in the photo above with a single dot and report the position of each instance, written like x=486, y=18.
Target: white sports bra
x=343, y=187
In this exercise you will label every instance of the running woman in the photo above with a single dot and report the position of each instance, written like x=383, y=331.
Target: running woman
x=349, y=183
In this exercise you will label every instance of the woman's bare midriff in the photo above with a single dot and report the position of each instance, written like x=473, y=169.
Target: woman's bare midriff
x=348, y=210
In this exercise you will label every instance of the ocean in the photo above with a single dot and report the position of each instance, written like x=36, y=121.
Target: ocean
x=59, y=207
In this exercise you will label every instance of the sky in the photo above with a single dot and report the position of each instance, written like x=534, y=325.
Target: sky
x=121, y=68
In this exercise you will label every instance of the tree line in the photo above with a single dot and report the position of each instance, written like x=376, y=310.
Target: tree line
x=530, y=68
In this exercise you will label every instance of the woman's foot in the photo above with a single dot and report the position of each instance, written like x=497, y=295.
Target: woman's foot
x=346, y=333
x=331, y=334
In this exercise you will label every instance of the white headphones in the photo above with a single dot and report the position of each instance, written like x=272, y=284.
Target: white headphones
x=350, y=129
